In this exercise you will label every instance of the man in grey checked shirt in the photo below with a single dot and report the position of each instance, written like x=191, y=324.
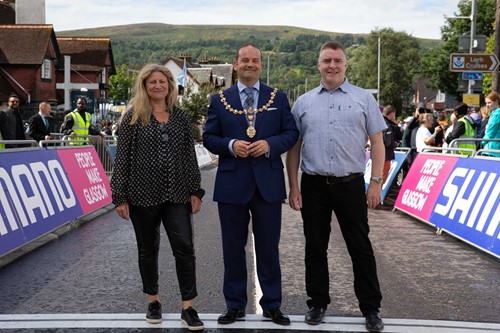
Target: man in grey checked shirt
x=335, y=120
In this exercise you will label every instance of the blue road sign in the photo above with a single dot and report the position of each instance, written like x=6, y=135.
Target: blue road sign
x=477, y=76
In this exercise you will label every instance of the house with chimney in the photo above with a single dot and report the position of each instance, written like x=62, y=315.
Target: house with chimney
x=209, y=71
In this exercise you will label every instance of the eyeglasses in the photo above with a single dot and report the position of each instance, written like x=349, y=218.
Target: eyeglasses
x=164, y=134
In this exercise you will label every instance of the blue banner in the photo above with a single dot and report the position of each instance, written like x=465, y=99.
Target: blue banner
x=469, y=203
x=42, y=189
x=396, y=164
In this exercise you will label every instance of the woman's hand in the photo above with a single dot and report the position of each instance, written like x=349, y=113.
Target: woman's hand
x=195, y=204
x=123, y=211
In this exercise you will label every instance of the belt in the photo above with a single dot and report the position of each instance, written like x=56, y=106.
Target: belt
x=336, y=180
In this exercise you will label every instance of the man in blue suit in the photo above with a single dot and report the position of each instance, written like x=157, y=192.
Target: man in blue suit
x=249, y=126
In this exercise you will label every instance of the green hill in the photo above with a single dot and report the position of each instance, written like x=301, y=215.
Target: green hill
x=292, y=51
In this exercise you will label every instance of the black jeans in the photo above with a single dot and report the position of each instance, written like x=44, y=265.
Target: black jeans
x=348, y=202
x=176, y=219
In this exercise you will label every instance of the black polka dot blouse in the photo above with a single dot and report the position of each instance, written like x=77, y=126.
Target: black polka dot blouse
x=156, y=163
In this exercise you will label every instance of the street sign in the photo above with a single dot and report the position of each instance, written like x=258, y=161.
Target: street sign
x=478, y=44
x=463, y=85
x=476, y=76
x=471, y=99
x=467, y=62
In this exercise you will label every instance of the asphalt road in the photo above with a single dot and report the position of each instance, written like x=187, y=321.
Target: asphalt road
x=92, y=269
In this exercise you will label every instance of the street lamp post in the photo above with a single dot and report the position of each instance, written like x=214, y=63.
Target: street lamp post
x=268, y=66
x=378, y=72
x=472, y=19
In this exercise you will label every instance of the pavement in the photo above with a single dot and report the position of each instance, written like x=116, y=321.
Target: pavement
x=83, y=277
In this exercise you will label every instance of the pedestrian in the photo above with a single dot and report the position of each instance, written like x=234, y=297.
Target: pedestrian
x=424, y=138
x=11, y=122
x=449, y=129
x=41, y=124
x=391, y=137
x=156, y=180
x=335, y=120
x=106, y=130
x=77, y=124
x=463, y=128
x=249, y=126
x=493, y=127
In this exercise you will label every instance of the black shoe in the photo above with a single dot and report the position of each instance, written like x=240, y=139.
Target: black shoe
x=190, y=318
x=373, y=322
x=277, y=316
x=230, y=315
x=153, y=316
x=315, y=315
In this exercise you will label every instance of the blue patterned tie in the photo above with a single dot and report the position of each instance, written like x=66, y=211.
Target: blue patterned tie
x=249, y=99
x=46, y=121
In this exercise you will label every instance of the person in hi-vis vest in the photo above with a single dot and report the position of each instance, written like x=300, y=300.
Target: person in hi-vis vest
x=78, y=123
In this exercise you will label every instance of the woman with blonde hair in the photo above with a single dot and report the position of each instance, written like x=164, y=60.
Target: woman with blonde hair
x=156, y=180
x=424, y=138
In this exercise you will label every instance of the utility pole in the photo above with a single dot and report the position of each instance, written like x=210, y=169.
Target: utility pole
x=495, y=81
x=472, y=34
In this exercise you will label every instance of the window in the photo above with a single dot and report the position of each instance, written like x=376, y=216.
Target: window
x=103, y=75
x=47, y=69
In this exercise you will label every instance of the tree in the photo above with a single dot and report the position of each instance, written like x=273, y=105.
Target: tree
x=196, y=105
x=399, y=57
x=435, y=63
x=121, y=83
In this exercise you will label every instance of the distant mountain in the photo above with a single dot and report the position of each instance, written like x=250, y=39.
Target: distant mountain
x=190, y=33
x=292, y=51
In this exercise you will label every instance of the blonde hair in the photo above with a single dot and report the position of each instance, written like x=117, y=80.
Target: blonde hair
x=485, y=112
x=140, y=105
x=425, y=117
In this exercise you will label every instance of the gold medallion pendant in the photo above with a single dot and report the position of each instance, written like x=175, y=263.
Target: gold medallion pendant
x=251, y=131
x=250, y=112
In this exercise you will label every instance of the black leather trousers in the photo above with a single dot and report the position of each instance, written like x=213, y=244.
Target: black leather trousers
x=176, y=219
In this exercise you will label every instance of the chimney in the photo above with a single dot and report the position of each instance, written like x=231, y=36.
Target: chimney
x=187, y=56
x=30, y=11
x=214, y=60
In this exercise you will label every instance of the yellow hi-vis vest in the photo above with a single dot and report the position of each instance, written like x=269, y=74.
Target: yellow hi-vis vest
x=2, y=146
x=469, y=133
x=80, y=127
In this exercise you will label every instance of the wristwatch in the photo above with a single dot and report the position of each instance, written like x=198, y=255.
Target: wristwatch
x=377, y=179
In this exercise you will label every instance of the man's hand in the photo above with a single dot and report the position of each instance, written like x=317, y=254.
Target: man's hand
x=240, y=148
x=295, y=199
x=258, y=148
x=374, y=195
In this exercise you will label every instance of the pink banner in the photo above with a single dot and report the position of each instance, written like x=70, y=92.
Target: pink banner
x=87, y=176
x=423, y=184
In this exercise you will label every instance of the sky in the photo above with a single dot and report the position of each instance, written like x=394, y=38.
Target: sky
x=419, y=18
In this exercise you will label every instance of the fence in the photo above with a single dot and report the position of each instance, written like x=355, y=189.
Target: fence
x=104, y=146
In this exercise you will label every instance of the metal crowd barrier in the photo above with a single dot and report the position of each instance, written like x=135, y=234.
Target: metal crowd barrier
x=104, y=146
x=18, y=144
x=483, y=152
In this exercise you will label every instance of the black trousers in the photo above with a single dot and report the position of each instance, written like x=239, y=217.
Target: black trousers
x=348, y=201
x=176, y=219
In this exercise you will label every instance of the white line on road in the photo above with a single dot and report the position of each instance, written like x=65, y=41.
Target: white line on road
x=250, y=322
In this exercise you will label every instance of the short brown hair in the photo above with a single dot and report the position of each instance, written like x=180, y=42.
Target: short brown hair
x=334, y=45
x=245, y=45
x=388, y=109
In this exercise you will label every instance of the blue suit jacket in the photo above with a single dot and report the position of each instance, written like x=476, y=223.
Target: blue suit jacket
x=238, y=178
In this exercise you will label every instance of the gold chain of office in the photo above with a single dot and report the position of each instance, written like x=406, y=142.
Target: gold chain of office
x=264, y=108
